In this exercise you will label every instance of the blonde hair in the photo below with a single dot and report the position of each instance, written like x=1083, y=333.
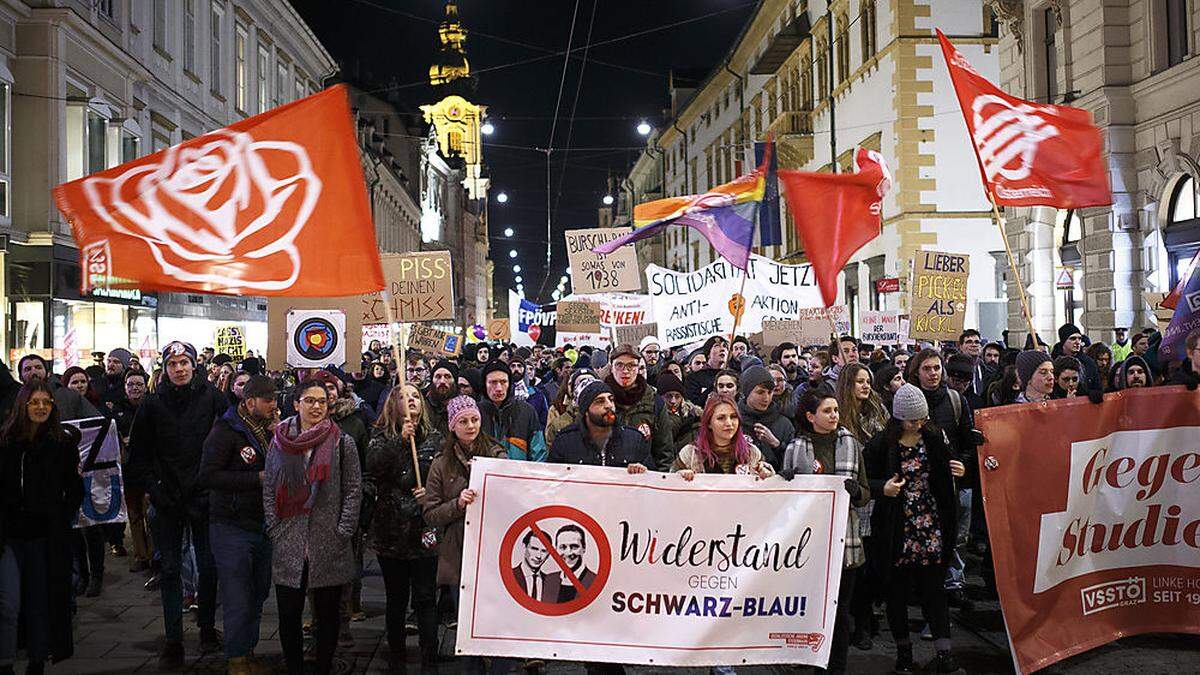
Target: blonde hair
x=395, y=412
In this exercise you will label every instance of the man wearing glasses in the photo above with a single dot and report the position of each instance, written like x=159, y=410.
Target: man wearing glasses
x=651, y=355
x=637, y=408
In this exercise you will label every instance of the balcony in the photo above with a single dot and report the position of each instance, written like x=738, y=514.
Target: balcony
x=792, y=122
x=793, y=138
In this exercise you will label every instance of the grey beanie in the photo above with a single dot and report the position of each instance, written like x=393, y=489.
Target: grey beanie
x=754, y=376
x=909, y=404
x=1028, y=362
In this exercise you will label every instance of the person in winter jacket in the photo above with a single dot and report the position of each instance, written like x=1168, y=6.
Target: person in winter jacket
x=8, y=390
x=637, y=406
x=312, y=491
x=397, y=533
x=1133, y=372
x=683, y=416
x=1067, y=375
x=231, y=469
x=698, y=383
x=598, y=438
x=781, y=395
x=1070, y=343
x=564, y=411
x=1035, y=371
x=40, y=495
x=1189, y=372
x=911, y=472
x=443, y=386
x=513, y=423
x=721, y=446
x=165, y=449
x=524, y=390
x=823, y=446
x=374, y=383
x=765, y=424
x=71, y=405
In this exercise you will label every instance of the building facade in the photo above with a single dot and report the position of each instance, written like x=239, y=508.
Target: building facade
x=90, y=84
x=871, y=70
x=1132, y=64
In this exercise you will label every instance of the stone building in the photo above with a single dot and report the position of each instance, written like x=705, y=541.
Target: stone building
x=1132, y=64
x=879, y=83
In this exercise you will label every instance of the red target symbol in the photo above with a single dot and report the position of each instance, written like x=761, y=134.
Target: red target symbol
x=573, y=589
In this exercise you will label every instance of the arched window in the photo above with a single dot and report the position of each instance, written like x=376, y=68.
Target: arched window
x=1182, y=233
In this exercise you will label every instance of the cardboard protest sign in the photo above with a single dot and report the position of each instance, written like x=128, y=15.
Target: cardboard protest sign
x=316, y=338
x=880, y=328
x=601, y=272
x=620, y=596
x=231, y=340
x=691, y=307
x=633, y=334
x=421, y=287
x=497, y=329
x=277, y=327
x=433, y=341
x=578, y=317
x=815, y=326
x=938, y=291
x=1093, y=519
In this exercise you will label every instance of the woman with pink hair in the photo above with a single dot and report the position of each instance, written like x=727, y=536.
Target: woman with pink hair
x=720, y=445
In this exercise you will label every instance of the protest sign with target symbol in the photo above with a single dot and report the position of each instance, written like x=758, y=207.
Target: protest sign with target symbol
x=316, y=338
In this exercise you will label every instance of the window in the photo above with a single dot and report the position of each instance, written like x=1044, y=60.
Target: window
x=264, y=78
x=1177, y=31
x=822, y=68
x=1182, y=234
x=300, y=93
x=843, y=49
x=867, y=20
x=214, y=49
x=87, y=143
x=189, y=36
x=806, y=80
x=281, y=80
x=991, y=25
x=159, y=25
x=5, y=140
x=106, y=9
x=1049, y=55
x=240, y=45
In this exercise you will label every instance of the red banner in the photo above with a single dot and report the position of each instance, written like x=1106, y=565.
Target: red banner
x=1094, y=518
x=272, y=205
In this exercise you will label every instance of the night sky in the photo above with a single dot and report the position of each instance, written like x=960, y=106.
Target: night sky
x=623, y=80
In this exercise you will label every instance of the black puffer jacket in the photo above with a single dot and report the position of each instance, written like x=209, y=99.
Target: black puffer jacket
x=167, y=442
x=388, y=482
x=774, y=420
x=229, y=470
x=625, y=446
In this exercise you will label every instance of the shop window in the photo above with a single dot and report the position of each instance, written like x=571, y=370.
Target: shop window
x=1182, y=234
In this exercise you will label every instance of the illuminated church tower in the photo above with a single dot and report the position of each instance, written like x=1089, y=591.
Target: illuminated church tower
x=456, y=121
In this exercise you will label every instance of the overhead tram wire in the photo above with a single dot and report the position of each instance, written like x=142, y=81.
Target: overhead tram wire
x=570, y=131
x=562, y=81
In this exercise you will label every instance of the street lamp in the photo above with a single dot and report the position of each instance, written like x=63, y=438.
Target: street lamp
x=508, y=232
x=516, y=269
x=644, y=128
x=512, y=253
x=608, y=200
x=502, y=197
x=487, y=129
x=517, y=278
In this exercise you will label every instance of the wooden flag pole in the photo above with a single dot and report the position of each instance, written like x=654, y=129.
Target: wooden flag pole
x=1012, y=264
x=741, y=297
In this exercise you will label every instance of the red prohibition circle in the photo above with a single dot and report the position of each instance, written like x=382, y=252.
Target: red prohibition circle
x=584, y=596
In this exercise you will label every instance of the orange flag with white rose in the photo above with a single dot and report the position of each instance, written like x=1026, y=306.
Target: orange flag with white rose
x=272, y=205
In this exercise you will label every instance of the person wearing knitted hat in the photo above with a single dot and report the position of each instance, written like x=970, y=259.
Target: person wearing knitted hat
x=636, y=408
x=564, y=412
x=651, y=351
x=1071, y=342
x=597, y=438
x=443, y=386
x=448, y=492
x=911, y=471
x=165, y=447
x=512, y=422
x=699, y=383
x=1035, y=371
x=765, y=423
x=683, y=416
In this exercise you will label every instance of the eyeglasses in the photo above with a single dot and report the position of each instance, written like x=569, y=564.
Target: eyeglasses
x=625, y=365
x=314, y=402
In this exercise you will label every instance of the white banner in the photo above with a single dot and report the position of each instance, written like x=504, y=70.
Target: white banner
x=880, y=328
x=100, y=465
x=616, y=309
x=693, y=306
x=583, y=563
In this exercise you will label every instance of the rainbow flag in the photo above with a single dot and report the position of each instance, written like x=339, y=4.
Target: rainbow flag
x=724, y=215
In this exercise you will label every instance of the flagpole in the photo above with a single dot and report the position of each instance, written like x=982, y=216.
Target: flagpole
x=398, y=353
x=1012, y=264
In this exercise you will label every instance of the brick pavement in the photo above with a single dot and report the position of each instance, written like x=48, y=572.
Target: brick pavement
x=120, y=632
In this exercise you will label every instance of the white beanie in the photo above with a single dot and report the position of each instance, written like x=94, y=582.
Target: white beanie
x=909, y=404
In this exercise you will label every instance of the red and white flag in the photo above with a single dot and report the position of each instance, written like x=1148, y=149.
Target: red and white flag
x=1030, y=154
x=272, y=205
x=836, y=214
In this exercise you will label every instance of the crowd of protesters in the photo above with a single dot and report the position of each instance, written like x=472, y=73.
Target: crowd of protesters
x=238, y=479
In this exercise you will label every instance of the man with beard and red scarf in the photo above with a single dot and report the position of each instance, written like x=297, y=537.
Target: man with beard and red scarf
x=443, y=386
x=638, y=406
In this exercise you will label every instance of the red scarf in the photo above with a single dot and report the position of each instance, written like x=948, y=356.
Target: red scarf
x=296, y=487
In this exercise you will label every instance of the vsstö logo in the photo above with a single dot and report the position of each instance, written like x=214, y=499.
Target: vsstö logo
x=1112, y=594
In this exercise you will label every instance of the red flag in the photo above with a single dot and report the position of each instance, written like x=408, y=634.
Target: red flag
x=837, y=214
x=1030, y=154
x=272, y=205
